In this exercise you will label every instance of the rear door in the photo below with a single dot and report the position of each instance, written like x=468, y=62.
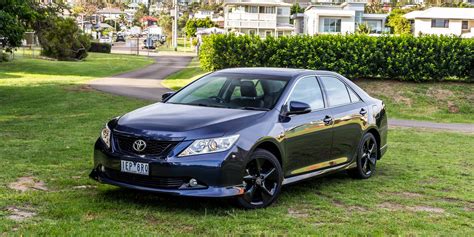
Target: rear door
x=349, y=117
x=308, y=137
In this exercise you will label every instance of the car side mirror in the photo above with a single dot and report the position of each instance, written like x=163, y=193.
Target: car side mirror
x=167, y=95
x=296, y=107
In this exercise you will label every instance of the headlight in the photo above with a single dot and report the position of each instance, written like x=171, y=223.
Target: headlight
x=105, y=136
x=212, y=145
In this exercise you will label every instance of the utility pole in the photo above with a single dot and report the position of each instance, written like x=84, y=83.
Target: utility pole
x=175, y=26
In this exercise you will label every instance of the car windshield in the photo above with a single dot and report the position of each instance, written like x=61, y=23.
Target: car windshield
x=232, y=90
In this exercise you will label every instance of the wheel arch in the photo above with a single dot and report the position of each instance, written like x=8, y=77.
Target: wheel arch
x=376, y=134
x=271, y=146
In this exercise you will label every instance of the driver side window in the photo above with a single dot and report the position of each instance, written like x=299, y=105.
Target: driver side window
x=307, y=90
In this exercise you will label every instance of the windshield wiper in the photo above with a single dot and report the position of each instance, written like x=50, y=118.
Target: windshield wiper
x=254, y=108
x=208, y=105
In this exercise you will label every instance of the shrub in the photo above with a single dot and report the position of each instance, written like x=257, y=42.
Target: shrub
x=63, y=40
x=193, y=24
x=358, y=56
x=100, y=47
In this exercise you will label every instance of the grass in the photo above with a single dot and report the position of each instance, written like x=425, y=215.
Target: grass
x=184, y=45
x=49, y=121
x=450, y=102
x=447, y=102
x=179, y=79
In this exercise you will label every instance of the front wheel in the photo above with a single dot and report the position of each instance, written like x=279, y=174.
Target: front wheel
x=367, y=156
x=262, y=180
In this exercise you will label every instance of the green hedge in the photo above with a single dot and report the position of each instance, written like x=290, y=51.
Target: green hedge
x=100, y=47
x=409, y=58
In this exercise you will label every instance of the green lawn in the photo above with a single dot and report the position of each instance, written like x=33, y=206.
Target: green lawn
x=448, y=102
x=184, y=45
x=185, y=76
x=49, y=121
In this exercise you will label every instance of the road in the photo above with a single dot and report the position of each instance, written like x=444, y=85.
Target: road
x=146, y=82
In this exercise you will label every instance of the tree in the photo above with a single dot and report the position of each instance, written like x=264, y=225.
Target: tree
x=15, y=17
x=363, y=29
x=63, y=40
x=183, y=20
x=374, y=7
x=141, y=12
x=296, y=8
x=166, y=23
x=398, y=23
x=193, y=24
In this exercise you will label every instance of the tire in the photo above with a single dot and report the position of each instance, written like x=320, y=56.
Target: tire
x=367, y=156
x=262, y=177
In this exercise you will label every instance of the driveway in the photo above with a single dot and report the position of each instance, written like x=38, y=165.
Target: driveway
x=144, y=83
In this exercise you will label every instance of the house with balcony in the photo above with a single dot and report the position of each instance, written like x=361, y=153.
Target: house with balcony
x=258, y=17
x=443, y=21
x=329, y=18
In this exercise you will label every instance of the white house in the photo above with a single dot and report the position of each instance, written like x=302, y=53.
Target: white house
x=263, y=18
x=203, y=14
x=443, y=21
x=343, y=18
x=469, y=1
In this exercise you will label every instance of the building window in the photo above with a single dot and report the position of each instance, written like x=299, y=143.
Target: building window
x=279, y=11
x=280, y=33
x=465, y=25
x=331, y=25
x=268, y=33
x=439, y=23
x=251, y=32
x=267, y=10
x=251, y=9
x=358, y=17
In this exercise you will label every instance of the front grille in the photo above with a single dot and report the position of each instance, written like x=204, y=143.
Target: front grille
x=153, y=147
x=145, y=181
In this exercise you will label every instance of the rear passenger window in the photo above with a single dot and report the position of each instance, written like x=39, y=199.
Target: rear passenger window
x=336, y=91
x=352, y=94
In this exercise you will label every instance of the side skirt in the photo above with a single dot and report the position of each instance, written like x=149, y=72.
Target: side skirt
x=301, y=177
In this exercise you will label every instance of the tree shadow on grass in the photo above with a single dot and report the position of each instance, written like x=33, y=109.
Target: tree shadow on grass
x=4, y=75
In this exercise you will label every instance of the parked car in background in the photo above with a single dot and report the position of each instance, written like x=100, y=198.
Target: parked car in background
x=120, y=38
x=244, y=133
x=149, y=43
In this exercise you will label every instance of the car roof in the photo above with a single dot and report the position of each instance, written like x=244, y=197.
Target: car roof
x=273, y=71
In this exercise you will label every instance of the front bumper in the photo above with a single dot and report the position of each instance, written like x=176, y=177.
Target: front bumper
x=218, y=174
x=196, y=192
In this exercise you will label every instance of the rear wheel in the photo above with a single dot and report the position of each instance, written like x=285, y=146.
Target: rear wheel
x=367, y=156
x=262, y=180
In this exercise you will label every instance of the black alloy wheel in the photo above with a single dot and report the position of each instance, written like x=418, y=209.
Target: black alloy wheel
x=262, y=180
x=367, y=157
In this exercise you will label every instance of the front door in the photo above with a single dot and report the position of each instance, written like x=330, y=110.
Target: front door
x=307, y=136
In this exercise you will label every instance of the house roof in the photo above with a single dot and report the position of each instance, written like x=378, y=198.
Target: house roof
x=442, y=13
x=148, y=18
x=110, y=11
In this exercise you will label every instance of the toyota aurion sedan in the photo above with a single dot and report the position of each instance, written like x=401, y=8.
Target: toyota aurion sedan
x=244, y=133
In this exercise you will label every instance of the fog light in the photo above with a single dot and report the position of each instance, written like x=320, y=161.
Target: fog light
x=102, y=168
x=193, y=182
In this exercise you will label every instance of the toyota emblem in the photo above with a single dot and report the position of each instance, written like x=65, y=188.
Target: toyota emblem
x=139, y=145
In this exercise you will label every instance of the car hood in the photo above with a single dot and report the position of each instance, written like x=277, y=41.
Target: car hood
x=184, y=122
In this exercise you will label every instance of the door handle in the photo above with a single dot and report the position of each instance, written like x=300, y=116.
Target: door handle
x=327, y=120
x=363, y=111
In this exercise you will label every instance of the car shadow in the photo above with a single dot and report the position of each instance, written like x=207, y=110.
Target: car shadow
x=211, y=205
